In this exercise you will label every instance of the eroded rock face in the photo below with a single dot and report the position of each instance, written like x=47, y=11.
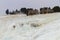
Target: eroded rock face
x=46, y=10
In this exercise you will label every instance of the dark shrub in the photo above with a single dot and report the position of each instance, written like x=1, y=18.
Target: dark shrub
x=23, y=10
x=56, y=9
x=27, y=11
x=17, y=11
x=7, y=11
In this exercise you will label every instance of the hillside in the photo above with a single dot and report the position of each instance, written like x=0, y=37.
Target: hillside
x=37, y=27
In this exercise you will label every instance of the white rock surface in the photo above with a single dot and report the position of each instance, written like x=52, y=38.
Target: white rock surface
x=37, y=27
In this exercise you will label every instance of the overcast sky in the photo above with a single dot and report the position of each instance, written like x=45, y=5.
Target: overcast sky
x=17, y=4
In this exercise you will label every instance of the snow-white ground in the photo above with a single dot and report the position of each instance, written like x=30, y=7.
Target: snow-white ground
x=37, y=27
